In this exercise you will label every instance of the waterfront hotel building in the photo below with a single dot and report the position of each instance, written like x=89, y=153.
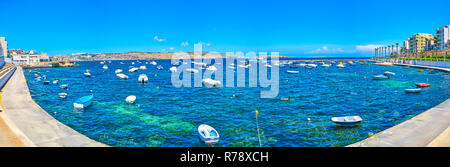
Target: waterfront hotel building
x=443, y=36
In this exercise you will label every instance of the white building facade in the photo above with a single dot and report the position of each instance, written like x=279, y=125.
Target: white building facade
x=3, y=51
x=443, y=33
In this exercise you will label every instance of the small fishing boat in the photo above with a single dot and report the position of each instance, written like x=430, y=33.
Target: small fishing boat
x=153, y=63
x=417, y=90
x=133, y=69
x=326, y=65
x=122, y=63
x=102, y=62
x=64, y=86
x=208, y=82
x=130, y=99
x=143, y=78
x=132, y=62
x=159, y=68
x=122, y=76
x=143, y=67
x=380, y=77
x=292, y=72
x=286, y=98
x=422, y=85
x=46, y=82
x=340, y=65
x=347, y=120
x=55, y=82
x=87, y=74
x=351, y=63
x=208, y=134
x=83, y=102
x=389, y=73
x=311, y=65
x=62, y=95
x=118, y=71
x=191, y=70
x=211, y=68
x=105, y=67
x=173, y=69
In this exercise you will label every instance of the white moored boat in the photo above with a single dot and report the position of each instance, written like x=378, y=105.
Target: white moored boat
x=347, y=120
x=62, y=95
x=130, y=99
x=122, y=76
x=143, y=67
x=133, y=69
x=417, y=90
x=191, y=70
x=153, y=63
x=105, y=67
x=87, y=74
x=118, y=71
x=159, y=67
x=208, y=134
x=143, y=78
x=173, y=69
x=208, y=82
x=211, y=68
x=311, y=65
x=292, y=72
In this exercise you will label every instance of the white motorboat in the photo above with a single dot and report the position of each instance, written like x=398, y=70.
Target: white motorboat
x=153, y=63
x=143, y=78
x=311, y=65
x=211, y=68
x=159, y=67
x=118, y=71
x=208, y=134
x=133, y=69
x=130, y=99
x=191, y=70
x=143, y=67
x=122, y=76
x=173, y=69
x=87, y=74
x=417, y=90
x=62, y=95
x=292, y=72
x=105, y=67
x=325, y=65
x=389, y=73
x=208, y=82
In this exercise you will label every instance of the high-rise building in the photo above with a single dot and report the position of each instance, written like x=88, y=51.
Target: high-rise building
x=406, y=46
x=443, y=36
x=3, y=51
x=418, y=42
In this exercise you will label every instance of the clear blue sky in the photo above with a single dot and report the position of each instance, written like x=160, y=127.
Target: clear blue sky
x=308, y=28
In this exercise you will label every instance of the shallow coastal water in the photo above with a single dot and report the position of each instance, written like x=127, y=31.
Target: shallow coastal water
x=168, y=116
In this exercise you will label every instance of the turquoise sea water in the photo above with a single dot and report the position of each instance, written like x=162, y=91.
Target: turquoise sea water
x=168, y=116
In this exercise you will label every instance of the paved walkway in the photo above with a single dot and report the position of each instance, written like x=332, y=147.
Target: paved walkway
x=430, y=128
x=39, y=126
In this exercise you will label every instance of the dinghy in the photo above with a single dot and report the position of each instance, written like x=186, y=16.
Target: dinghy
x=153, y=63
x=212, y=68
x=65, y=86
x=418, y=90
x=326, y=65
x=105, y=67
x=143, y=67
x=143, y=78
x=380, y=77
x=55, y=82
x=130, y=99
x=173, y=69
x=311, y=65
x=83, y=102
x=208, y=134
x=208, y=82
x=340, y=65
x=292, y=72
x=346, y=120
x=159, y=67
x=87, y=74
x=389, y=73
x=118, y=71
x=46, y=82
x=422, y=85
x=62, y=95
x=122, y=76
x=190, y=70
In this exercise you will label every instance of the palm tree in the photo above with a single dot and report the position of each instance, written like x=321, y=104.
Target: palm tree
x=396, y=44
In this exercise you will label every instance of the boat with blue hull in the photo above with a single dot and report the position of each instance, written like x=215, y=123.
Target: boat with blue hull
x=83, y=102
x=208, y=134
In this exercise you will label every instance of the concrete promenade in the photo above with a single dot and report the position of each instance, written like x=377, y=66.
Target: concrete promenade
x=39, y=127
x=430, y=128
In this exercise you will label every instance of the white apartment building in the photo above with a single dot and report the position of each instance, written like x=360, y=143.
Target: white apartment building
x=444, y=37
x=3, y=51
x=25, y=59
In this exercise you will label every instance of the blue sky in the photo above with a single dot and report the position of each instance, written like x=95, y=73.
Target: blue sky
x=296, y=28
